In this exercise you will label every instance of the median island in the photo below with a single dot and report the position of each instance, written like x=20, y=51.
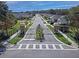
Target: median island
x=39, y=33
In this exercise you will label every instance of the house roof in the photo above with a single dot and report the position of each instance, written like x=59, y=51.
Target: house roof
x=55, y=16
x=61, y=20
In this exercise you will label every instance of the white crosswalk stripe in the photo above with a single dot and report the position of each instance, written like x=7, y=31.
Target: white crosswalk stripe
x=47, y=47
x=27, y=46
x=53, y=46
x=40, y=47
x=20, y=46
x=29, y=39
x=34, y=46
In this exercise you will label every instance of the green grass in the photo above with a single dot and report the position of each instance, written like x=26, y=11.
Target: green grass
x=15, y=39
x=13, y=29
x=70, y=35
x=51, y=28
x=61, y=38
x=46, y=17
x=28, y=25
x=18, y=37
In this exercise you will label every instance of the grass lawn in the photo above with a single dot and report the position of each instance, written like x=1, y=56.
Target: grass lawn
x=61, y=38
x=70, y=35
x=51, y=28
x=15, y=39
x=14, y=29
x=18, y=38
x=46, y=17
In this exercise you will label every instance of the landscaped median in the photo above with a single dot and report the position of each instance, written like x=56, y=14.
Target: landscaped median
x=50, y=27
x=59, y=36
x=19, y=36
x=39, y=33
x=72, y=36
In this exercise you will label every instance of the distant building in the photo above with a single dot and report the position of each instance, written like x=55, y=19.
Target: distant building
x=62, y=24
x=54, y=18
x=20, y=15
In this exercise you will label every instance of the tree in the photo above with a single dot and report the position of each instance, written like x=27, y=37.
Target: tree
x=6, y=17
x=39, y=33
x=51, y=11
x=74, y=17
x=3, y=13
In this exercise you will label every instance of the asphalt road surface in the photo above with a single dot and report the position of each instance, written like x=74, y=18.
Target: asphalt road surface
x=28, y=47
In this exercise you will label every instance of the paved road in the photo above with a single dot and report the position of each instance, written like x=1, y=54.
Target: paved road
x=29, y=37
x=31, y=33
x=41, y=54
x=50, y=47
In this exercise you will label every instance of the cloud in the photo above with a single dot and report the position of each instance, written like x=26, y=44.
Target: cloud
x=33, y=2
x=40, y=4
x=65, y=5
x=11, y=2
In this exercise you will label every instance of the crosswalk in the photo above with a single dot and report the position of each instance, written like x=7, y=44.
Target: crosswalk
x=29, y=39
x=41, y=47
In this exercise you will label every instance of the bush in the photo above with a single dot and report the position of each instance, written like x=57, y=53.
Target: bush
x=39, y=33
x=14, y=29
x=15, y=39
x=61, y=38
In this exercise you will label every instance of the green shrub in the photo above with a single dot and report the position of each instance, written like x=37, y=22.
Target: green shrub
x=15, y=39
x=61, y=38
x=39, y=33
x=14, y=29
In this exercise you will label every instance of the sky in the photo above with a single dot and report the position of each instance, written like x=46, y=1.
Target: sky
x=22, y=6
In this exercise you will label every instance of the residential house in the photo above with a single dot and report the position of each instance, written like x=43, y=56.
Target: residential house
x=62, y=24
x=54, y=18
